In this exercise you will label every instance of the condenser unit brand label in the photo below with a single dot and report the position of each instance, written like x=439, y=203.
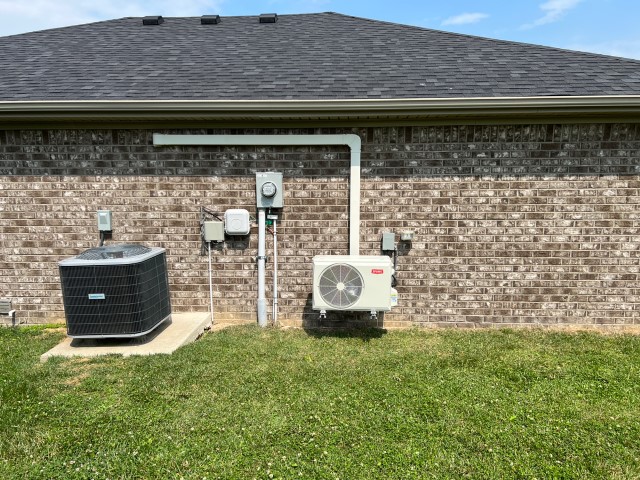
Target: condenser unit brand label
x=96, y=296
x=377, y=271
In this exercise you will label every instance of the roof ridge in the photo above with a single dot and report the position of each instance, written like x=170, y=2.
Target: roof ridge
x=371, y=20
x=75, y=25
x=488, y=39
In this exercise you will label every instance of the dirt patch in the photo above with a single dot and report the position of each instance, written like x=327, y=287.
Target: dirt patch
x=81, y=370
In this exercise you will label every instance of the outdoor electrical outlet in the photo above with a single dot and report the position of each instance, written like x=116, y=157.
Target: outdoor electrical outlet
x=406, y=236
x=104, y=220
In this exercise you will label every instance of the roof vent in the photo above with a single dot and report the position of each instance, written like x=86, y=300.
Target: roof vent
x=153, y=20
x=210, y=19
x=268, y=17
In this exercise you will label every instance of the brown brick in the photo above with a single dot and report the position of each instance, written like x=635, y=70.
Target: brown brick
x=505, y=234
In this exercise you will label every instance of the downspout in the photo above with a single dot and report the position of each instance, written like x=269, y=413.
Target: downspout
x=351, y=140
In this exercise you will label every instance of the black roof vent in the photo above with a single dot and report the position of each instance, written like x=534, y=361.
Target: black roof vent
x=210, y=19
x=153, y=20
x=268, y=17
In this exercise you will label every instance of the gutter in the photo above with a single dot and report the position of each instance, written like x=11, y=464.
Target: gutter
x=319, y=109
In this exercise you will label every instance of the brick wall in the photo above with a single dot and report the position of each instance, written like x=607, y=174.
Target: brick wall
x=513, y=224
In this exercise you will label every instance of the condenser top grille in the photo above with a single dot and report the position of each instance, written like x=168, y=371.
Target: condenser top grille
x=114, y=251
x=340, y=285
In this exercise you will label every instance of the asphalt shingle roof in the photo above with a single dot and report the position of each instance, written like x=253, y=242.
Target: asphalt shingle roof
x=307, y=56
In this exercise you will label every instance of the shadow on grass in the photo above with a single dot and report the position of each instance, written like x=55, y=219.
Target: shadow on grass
x=364, y=333
x=343, y=324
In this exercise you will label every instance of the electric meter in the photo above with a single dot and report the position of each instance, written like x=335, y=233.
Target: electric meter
x=269, y=189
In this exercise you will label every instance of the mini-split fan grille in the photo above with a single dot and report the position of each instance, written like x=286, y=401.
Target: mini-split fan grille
x=340, y=285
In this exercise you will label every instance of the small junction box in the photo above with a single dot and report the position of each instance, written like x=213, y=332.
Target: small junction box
x=213, y=231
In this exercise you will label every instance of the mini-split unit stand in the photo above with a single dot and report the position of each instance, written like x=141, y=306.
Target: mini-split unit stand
x=323, y=315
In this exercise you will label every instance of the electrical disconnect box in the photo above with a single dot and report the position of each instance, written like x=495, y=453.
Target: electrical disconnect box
x=388, y=241
x=213, y=231
x=236, y=222
x=104, y=220
x=269, y=193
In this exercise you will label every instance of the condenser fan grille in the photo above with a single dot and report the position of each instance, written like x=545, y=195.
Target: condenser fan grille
x=340, y=285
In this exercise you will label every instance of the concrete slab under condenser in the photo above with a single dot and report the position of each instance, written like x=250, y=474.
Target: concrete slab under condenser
x=181, y=329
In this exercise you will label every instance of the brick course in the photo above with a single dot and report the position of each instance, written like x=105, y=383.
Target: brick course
x=514, y=224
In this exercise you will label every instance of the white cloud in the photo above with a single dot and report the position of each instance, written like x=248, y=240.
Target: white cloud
x=553, y=10
x=19, y=17
x=465, y=18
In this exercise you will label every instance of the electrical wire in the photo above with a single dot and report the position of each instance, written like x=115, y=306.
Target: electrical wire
x=215, y=215
x=394, y=279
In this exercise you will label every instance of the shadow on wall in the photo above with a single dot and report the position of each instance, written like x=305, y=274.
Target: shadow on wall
x=342, y=324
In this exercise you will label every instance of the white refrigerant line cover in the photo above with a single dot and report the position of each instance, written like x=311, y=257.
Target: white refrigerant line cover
x=351, y=140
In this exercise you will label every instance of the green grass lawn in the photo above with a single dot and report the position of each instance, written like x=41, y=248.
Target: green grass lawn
x=250, y=403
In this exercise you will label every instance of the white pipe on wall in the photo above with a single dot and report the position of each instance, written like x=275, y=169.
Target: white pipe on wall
x=210, y=283
x=262, y=300
x=351, y=140
x=275, y=272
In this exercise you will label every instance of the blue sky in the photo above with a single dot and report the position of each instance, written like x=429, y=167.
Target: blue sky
x=602, y=26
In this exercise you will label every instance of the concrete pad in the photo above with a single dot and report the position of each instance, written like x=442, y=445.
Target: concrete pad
x=179, y=330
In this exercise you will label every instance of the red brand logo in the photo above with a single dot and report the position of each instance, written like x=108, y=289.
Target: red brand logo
x=377, y=271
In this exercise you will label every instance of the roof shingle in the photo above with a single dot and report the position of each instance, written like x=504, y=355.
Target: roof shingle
x=308, y=56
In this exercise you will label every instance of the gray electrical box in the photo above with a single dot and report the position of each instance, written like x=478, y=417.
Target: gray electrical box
x=213, y=231
x=104, y=220
x=388, y=241
x=269, y=193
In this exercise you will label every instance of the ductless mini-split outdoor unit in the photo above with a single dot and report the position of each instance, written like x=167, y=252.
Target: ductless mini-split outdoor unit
x=358, y=282
x=115, y=291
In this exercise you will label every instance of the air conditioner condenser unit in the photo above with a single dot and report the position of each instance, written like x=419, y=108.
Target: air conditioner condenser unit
x=115, y=291
x=346, y=282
